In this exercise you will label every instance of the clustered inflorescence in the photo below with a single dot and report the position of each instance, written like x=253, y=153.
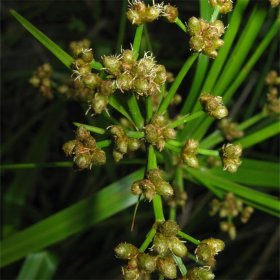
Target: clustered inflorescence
x=230, y=129
x=42, y=79
x=189, y=152
x=140, y=13
x=224, y=6
x=274, y=3
x=205, y=37
x=152, y=185
x=272, y=106
x=231, y=157
x=157, y=131
x=122, y=143
x=230, y=208
x=213, y=106
x=84, y=150
x=165, y=247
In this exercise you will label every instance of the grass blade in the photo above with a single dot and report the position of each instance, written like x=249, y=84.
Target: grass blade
x=260, y=135
x=71, y=220
x=64, y=57
x=41, y=265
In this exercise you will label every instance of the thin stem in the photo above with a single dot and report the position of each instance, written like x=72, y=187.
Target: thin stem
x=135, y=111
x=104, y=143
x=148, y=240
x=137, y=40
x=208, y=152
x=185, y=119
x=11, y=166
x=172, y=213
x=135, y=134
x=91, y=128
x=157, y=203
x=179, y=180
x=149, y=109
x=215, y=14
x=181, y=25
x=188, y=238
x=181, y=75
x=133, y=105
x=172, y=148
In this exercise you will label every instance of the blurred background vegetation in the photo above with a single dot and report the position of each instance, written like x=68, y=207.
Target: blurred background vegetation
x=34, y=129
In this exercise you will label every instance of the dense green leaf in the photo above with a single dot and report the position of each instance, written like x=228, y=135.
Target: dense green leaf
x=71, y=220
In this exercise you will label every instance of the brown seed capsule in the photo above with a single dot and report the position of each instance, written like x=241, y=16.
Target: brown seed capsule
x=134, y=17
x=216, y=245
x=130, y=273
x=98, y=157
x=91, y=80
x=133, y=144
x=117, y=156
x=82, y=133
x=126, y=251
x=135, y=188
x=152, y=13
x=112, y=64
x=204, y=252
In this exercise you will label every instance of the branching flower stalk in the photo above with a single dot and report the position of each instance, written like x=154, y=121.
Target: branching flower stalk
x=153, y=131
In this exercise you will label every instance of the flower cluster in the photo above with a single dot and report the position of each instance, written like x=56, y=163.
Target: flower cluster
x=42, y=79
x=205, y=37
x=140, y=13
x=207, y=250
x=157, y=131
x=122, y=143
x=230, y=129
x=199, y=273
x=230, y=155
x=84, y=150
x=165, y=245
x=143, y=76
x=213, y=105
x=230, y=208
x=189, y=152
x=224, y=6
x=273, y=101
x=274, y=3
x=154, y=184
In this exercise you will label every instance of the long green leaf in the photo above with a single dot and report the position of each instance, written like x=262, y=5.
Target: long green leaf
x=260, y=135
x=64, y=57
x=41, y=265
x=71, y=220
x=262, y=199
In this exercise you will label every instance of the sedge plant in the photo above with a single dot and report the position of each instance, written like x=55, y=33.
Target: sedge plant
x=136, y=116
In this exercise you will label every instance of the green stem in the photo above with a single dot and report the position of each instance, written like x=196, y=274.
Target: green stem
x=148, y=240
x=208, y=152
x=179, y=180
x=104, y=143
x=157, y=203
x=188, y=238
x=246, y=124
x=181, y=25
x=135, y=111
x=172, y=213
x=181, y=75
x=149, y=109
x=137, y=40
x=91, y=128
x=185, y=119
x=12, y=166
x=133, y=105
x=215, y=14
x=135, y=134
x=172, y=148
